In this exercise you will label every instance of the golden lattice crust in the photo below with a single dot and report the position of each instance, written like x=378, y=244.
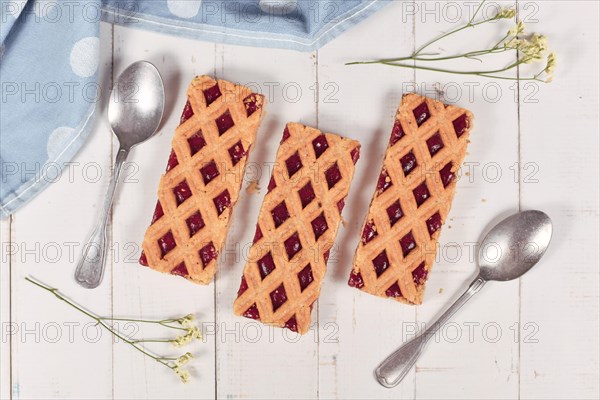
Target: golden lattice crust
x=197, y=193
x=297, y=225
x=412, y=200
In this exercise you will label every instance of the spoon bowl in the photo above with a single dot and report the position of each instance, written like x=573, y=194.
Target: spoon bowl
x=136, y=104
x=514, y=245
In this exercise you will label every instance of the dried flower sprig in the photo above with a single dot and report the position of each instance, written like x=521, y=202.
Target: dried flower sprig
x=530, y=49
x=185, y=324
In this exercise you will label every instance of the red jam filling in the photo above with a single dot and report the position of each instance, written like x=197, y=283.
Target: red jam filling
x=397, y=133
x=420, y=274
x=435, y=144
x=173, y=162
x=266, y=265
x=182, y=192
x=243, y=286
x=409, y=163
x=143, y=259
x=407, y=243
x=305, y=277
x=394, y=212
x=158, y=212
x=195, y=223
x=212, y=94
x=250, y=104
x=421, y=194
x=196, y=142
x=166, y=243
x=280, y=214
x=180, y=270
x=252, y=312
x=393, y=291
x=278, y=297
x=341, y=204
x=307, y=194
x=187, y=113
x=446, y=174
x=286, y=135
x=461, y=124
x=369, y=232
x=383, y=182
x=292, y=245
x=319, y=226
x=222, y=201
x=434, y=223
x=257, y=234
x=272, y=184
x=224, y=122
x=207, y=254
x=421, y=113
x=320, y=145
x=356, y=280
x=333, y=176
x=381, y=263
x=355, y=154
x=291, y=324
x=293, y=164
x=326, y=255
x=236, y=152
x=209, y=172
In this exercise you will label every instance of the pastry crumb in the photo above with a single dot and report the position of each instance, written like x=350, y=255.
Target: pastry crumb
x=441, y=290
x=483, y=200
x=252, y=187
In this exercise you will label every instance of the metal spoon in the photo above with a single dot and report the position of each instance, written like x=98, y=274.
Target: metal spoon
x=134, y=112
x=509, y=250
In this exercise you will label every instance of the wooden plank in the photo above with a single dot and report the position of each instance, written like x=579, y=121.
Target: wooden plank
x=475, y=355
x=359, y=330
x=256, y=361
x=57, y=353
x=559, y=156
x=6, y=327
x=140, y=292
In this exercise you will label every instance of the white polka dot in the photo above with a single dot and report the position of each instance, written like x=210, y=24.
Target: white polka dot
x=57, y=141
x=84, y=57
x=184, y=8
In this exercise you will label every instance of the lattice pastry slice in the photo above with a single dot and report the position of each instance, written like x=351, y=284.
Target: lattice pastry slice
x=296, y=227
x=412, y=199
x=201, y=185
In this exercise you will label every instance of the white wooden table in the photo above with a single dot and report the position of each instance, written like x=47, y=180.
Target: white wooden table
x=534, y=146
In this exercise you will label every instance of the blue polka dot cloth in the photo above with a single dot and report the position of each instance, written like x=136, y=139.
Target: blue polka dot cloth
x=49, y=54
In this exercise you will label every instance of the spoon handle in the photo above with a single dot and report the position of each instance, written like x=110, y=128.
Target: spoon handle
x=90, y=268
x=394, y=368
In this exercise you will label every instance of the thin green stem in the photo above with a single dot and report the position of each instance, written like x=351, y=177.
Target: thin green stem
x=153, y=341
x=164, y=322
x=451, y=71
x=469, y=24
x=476, y=11
x=469, y=54
x=99, y=320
